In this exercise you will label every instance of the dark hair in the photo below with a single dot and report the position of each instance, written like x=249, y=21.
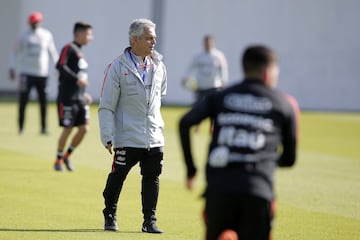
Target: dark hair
x=256, y=58
x=208, y=37
x=81, y=26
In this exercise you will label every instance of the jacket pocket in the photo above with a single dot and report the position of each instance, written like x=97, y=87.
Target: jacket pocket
x=131, y=87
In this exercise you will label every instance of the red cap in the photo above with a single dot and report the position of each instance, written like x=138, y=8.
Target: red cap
x=35, y=17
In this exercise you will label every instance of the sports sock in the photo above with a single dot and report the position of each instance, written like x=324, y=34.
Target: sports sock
x=59, y=156
x=69, y=151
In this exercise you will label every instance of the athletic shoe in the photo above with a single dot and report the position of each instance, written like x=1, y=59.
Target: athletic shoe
x=68, y=165
x=110, y=222
x=58, y=166
x=151, y=228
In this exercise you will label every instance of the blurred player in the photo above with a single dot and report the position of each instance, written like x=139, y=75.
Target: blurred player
x=255, y=130
x=208, y=71
x=33, y=52
x=73, y=102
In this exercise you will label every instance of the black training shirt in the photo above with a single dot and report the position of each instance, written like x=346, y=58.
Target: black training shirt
x=255, y=130
x=71, y=65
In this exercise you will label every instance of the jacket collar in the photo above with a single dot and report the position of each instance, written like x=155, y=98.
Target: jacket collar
x=253, y=81
x=155, y=56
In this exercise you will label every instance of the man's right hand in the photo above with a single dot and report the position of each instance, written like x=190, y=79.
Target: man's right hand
x=109, y=147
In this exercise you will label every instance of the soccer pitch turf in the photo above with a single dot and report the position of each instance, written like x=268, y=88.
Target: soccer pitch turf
x=317, y=199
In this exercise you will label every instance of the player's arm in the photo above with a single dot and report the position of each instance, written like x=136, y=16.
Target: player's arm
x=110, y=93
x=164, y=82
x=224, y=69
x=16, y=52
x=199, y=112
x=62, y=64
x=189, y=80
x=290, y=134
x=52, y=50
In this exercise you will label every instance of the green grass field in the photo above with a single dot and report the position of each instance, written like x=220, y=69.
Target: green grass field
x=317, y=199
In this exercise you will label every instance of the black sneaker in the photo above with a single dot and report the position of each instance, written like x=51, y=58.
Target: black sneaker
x=68, y=165
x=151, y=228
x=110, y=222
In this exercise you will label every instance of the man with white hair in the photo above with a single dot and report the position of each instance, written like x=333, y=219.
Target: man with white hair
x=131, y=123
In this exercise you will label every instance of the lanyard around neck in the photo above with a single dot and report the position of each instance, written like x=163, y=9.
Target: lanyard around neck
x=143, y=76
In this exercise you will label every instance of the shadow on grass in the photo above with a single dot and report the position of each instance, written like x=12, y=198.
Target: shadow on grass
x=62, y=230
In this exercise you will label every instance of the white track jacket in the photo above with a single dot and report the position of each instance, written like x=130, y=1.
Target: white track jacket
x=128, y=116
x=209, y=69
x=32, y=52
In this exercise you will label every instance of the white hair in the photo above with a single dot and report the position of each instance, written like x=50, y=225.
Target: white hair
x=137, y=27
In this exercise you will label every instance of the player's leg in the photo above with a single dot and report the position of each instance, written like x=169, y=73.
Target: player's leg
x=151, y=166
x=40, y=84
x=124, y=159
x=81, y=115
x=60, y=148
x=220, y=215
x=63, y=138
x=256, y=218
x=24, y=91
x=66, y=121
x=79, y=135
